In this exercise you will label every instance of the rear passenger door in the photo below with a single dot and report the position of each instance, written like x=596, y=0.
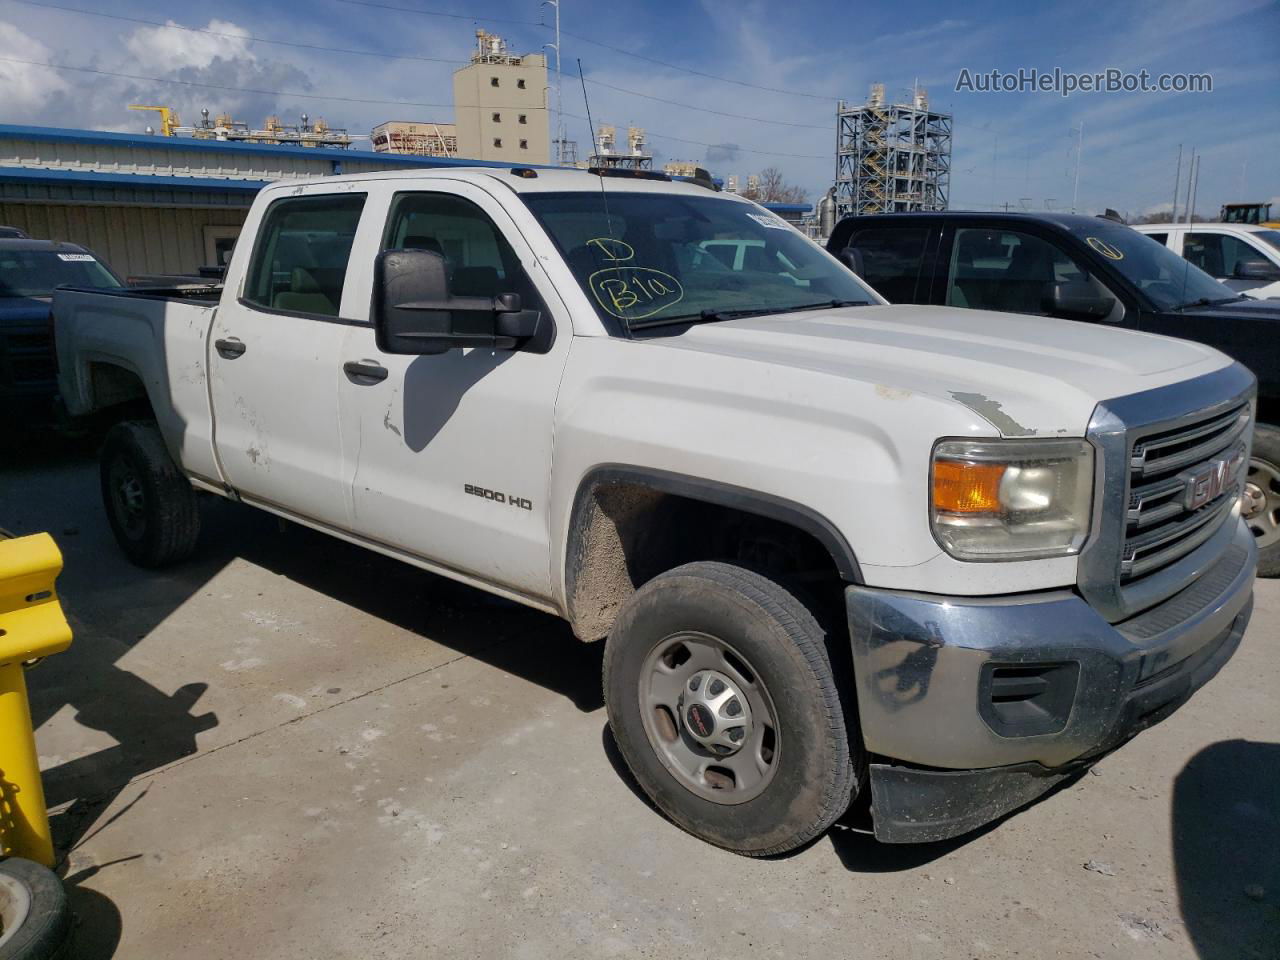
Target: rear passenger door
x=897, y=260
x=275, y=356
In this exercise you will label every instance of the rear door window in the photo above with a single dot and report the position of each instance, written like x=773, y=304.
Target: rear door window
x=892, y=260
x=300, y=262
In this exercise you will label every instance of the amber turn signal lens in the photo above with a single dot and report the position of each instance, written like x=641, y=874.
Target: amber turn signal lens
x=964, y=487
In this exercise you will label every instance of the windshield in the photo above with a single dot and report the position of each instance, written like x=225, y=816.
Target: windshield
x=662, y=258
x=1269, y=237
x=1170, y=281
x=34, y=273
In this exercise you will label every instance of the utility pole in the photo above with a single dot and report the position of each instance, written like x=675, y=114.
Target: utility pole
x=1177, y=180
x=1191, y=210
x=1075, y=192
x=559, y=85
x=1191, y=166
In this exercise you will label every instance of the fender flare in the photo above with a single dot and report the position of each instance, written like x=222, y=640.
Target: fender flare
x=709, y=491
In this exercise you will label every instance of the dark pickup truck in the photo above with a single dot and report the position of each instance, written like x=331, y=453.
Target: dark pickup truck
x=29, y=272
x=1087, y=269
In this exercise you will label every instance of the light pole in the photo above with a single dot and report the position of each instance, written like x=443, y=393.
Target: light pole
x=559, y=84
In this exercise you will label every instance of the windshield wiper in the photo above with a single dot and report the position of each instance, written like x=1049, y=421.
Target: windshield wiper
x=1206, y=302
x=717, y=316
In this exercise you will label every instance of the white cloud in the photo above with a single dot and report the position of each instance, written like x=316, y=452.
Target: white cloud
x=163, y=49
x=26, y=88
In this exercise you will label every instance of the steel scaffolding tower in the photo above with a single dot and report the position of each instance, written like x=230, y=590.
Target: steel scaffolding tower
x=892, y=157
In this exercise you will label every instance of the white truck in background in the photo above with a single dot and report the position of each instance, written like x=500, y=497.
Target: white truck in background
x=945, y=556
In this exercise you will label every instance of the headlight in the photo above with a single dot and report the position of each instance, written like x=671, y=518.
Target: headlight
x=1011, y=499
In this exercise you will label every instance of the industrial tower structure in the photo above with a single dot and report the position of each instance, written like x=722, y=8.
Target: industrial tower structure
x=891, y=157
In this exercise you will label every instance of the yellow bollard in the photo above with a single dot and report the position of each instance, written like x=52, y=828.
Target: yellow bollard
x=32, y=625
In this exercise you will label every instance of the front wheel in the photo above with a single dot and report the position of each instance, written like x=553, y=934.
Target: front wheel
x=1260, y=505
x=722, y=701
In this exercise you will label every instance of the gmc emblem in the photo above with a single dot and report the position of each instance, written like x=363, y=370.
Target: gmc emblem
x=1209, y=481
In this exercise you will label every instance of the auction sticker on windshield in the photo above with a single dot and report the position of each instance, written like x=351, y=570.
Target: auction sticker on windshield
x=76, y=257
x=773, y=223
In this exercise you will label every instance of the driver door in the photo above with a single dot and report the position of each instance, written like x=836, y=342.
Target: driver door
x=452, y=451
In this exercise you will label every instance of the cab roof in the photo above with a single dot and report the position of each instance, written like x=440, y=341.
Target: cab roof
x=523, y=180
x=27, y=243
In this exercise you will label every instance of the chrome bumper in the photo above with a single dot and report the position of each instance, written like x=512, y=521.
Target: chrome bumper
x=924, y=666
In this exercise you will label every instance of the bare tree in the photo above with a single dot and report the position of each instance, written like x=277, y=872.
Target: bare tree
x=774, y=189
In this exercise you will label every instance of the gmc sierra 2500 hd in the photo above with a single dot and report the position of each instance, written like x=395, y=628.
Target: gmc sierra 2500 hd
x=949, y=557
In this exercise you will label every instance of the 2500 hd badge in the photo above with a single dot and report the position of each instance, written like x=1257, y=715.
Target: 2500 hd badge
x=496, y=496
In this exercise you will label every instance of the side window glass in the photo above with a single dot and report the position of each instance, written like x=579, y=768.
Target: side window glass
x=478, y=260
x=1220, y=251
x=891, y=260
x=300, y=261
x=1160, y=238
x=1007, y=270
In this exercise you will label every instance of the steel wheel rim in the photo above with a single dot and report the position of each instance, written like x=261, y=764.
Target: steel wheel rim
x=1260, y=502
x=128, y=500
x=725, y=779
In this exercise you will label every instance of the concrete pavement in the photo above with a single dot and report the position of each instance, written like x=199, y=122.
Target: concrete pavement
x=292, y=748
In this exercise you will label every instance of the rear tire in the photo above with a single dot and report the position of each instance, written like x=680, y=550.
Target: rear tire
x=150, y=505
x=1261, y=503
x=760, y=778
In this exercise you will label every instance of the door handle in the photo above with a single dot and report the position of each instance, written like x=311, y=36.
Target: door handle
x=364, y=372
x=229, y=349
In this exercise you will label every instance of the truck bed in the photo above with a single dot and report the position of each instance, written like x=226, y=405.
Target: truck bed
x=116, y=345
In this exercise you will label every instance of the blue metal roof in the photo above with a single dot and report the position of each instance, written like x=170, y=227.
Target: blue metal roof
x=219, y=184
x=156, y=142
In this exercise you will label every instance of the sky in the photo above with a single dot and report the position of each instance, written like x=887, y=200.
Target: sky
x=738, y=87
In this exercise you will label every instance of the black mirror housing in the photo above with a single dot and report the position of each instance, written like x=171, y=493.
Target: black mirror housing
x=1076, y=299
x=414, y=311
x=1256, y=270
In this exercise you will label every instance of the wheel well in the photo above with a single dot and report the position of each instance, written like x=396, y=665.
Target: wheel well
x=1269, y=411
x=625, y=532
x=118, y=393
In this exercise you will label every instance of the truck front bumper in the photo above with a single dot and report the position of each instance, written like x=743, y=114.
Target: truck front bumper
x=973, y=706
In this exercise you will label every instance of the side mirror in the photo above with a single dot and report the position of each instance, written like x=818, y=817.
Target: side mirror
x=1256, y=270
x=414, y=311
x=1076, y=299
x=851, y=257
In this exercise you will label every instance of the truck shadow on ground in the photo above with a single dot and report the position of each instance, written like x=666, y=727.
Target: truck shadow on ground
x=1226, y=849
x=850, y=837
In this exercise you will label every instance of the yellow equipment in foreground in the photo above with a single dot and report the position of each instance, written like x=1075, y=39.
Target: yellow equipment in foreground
x=32, y=626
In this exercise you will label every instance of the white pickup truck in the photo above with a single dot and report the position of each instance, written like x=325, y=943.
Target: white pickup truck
x=944, y=557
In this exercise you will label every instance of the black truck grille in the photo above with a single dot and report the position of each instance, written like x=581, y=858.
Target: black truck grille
x=26, y=357
x=1183, y=484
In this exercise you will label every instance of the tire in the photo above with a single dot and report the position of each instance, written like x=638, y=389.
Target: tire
x=795, y=770
x=35, y=921
x=1261, y=503
x=151, y=506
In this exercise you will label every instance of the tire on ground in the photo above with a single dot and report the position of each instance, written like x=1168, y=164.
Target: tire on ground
x=35, y=921
x=164, y=523
x=1265, y=466
x=817, y=755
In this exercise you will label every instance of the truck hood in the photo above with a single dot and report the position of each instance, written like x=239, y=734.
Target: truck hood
x=1024, y=375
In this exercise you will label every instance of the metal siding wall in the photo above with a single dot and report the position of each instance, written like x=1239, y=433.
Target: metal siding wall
x=132, y=240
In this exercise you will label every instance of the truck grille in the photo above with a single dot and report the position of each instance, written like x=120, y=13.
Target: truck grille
x=26, y=357
x=1182, y=485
